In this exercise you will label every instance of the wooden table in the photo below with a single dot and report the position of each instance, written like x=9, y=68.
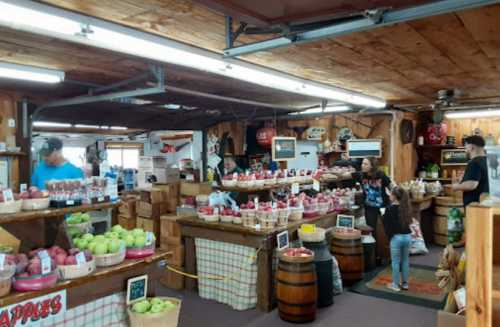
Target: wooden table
x=192, y=227
x=423, y=213
x=103, y=282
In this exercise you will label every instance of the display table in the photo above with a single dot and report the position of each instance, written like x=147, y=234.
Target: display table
x=212, y=237
x=422, y=211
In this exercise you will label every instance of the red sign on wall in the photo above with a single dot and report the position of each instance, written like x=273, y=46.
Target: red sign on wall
x=34, y=311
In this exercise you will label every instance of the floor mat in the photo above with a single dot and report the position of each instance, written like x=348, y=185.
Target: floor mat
x=424, y=290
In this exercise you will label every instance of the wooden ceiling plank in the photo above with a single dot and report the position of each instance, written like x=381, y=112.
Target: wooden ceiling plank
x=237, y=12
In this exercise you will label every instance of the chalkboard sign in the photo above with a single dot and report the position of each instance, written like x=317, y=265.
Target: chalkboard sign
x=284, y=148
x=345, y=221
x=137, y=289
x=282, y=240
x=454, y=157
x=364, y=148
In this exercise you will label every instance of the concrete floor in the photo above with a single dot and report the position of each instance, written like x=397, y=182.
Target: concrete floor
x=349, y=310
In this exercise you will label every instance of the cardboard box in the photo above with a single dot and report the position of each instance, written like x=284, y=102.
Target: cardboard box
x=152, y=162
x=177, y=257
x=170, y=227
x=127, y=222
x=149, y=225
x=446, y=319
x=151, y=210
x=170, y=195
x=193, y=189
x=173, y=280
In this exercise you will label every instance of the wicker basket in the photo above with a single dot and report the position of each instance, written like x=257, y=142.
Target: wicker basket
x=296, y=214
x=6, y=279
x=226, y=219
x=11, y=207
x=36, y=282
x=77, y=271
x=35, y=204
x=169, y=318
x=111, y=259
x=211, y=218
x=85, y=227
x=229, y=182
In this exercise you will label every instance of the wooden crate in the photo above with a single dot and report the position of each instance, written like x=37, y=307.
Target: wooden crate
x=170, y=240
x=153, y=195
x=170, y=194
x=128, y=207
x=149, y=225
x=178, y=253
x=169, y=226
x=193, y=189
x=150, y=210
x=172, y=279
x=127, y=222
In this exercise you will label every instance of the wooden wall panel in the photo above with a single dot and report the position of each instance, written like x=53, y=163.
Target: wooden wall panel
x=236, y=130
x=461, y=127
x=8, y=134
x=405, y=159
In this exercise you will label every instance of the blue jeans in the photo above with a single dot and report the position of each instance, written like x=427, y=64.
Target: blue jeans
x=400, y=257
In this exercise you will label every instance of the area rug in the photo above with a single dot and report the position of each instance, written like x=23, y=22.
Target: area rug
x=424, y=290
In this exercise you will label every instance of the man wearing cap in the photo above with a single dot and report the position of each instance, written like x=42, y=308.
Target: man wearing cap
x=475, y=180
x=54, y=165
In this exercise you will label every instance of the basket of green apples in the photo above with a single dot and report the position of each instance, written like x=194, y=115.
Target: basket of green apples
x=80, y=221
x=155, y=312
x=140, y=244
x=108, y=249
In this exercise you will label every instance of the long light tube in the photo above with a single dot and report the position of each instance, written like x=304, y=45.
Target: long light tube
x=29, y=73
x=472, y=114
x=313, y=111
x=337, y=109
x=26, y=15
x=50, y=124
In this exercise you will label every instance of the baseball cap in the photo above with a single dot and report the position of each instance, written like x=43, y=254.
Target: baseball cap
x=475, y=140
x=51, y=145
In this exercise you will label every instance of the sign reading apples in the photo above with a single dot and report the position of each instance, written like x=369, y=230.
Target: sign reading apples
x=34, y=311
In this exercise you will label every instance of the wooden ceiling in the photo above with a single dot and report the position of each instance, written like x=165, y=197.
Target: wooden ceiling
x=406, y=63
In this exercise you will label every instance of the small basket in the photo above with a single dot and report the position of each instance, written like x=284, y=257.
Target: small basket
x=35, y=204
x=323, y=207
x=226, y=219
x=317, y=236
x=296, y=214
x=11, y=207
x=283, y=215
x=138, y=253
x=229, y=182
x=237, y=220
x=248, y=213
x=249, y=221
x=85, y=227
x=36, y=282
x=169, y=318
x=260, y=183
x=269, y=181
x=77, y=271
x=211, y=218
x=6, y=279
x=110, y=259
x=267, y=223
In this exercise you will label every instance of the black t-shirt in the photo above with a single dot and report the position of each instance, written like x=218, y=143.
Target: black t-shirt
x=477, y=170
x=374, y=188
x=392, y=222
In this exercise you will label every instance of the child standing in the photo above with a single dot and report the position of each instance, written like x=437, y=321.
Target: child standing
x=397, y=220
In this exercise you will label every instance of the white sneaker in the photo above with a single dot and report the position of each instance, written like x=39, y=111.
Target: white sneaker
x=393, y=287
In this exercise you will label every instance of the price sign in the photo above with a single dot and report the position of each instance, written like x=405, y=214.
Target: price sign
x=282, y=240
x=2, y=260
x=80, y=258
x=23, y=188
x=8, y=196
x=149, y=238
x=316, y=185
x=46, y=266
x=137, y=289
x=70, y=202
x=295, y=188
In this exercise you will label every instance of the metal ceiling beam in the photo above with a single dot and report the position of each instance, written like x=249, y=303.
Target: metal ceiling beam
x=374, y=19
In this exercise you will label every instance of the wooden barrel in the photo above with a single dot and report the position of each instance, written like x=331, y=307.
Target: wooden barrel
x=296, y=288
x=348, y=250
x=443, y=204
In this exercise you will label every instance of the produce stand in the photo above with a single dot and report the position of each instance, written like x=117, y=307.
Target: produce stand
x=265, y=240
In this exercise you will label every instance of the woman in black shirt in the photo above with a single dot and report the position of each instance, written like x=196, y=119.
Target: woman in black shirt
x=397, y=220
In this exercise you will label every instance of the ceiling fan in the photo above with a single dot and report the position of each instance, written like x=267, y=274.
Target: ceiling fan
x=446, y=98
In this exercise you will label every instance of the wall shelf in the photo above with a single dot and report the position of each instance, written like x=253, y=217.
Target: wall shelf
x=440, y=146
x=12, y=154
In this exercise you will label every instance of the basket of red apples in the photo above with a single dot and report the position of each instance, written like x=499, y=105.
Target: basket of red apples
x=29, y=274
x=283, y=213
x=244, y=181
x=237, y=219
x=229, y=181
x=34, y=199
x=10, y=206
x=209, y=214
x=269, y=179
x=324, y=203
x=74, y=263
x=296, y=209
x=281, y=177
x=226, y=215
x=260, y=179
x=310, y=207
x=8, y=270
x=248, y=213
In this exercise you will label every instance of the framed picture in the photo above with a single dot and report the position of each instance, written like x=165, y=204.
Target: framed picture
x=345, y=221
x=282, y=240
x=137, y=289
x=284, y=148
x=360, y=148
x=455, y=157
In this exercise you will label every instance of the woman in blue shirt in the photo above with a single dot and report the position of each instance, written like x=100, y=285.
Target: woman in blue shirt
x=54, y=165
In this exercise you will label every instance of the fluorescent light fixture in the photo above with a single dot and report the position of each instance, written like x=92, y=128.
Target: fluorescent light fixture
x=53, y=22
x=29, y=73
x=50, y=124
x=119, y=128
x=87, y=126
x=104, y=127
x=472, y=114
x=337, y=109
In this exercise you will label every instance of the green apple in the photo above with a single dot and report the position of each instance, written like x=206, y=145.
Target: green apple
x=157, y=301
x=140, y=241
x=101, y=248
x=85, y=217
x=138, y=232
x=114, y=246
x=88, y=237
x=156, y=308
x=91, y=246
x=100, y=238
x=111, y=235
x=168, y=305
x=141, y=307
x=117, y=228
x=129, y=240
x=82, y=244
x=123, y=234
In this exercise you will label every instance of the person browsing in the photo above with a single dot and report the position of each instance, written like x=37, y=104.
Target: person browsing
x=475, y=179
x=54, y=165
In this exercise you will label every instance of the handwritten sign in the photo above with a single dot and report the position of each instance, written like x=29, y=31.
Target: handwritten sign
x=137, y=289
x=34, y=312
x=282, y=240
x=345, y=221
x=284, y=148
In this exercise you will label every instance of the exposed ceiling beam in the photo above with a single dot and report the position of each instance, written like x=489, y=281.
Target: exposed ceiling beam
x=239, y=13
x=373, y=20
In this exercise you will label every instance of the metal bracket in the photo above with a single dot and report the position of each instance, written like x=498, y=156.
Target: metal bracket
x=376, y=15
x=232, y=35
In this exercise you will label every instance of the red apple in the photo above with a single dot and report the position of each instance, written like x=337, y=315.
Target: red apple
x=24, y=195
x=60, y=259
x=70, y=260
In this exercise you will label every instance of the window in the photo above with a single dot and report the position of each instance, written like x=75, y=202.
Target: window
x=124, y=157
x=75, y=155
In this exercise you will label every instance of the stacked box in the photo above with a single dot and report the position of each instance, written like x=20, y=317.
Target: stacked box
x=151, y=210
x=194, y=189
x=126, y=222
x=171, y=238
x=127, y=212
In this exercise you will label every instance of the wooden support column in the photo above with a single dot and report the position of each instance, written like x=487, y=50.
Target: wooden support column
x=190, y=248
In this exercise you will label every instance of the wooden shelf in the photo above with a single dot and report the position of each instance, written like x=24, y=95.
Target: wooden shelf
x=331, y=152
x=496, y=282
x=276, y=186
x=440, y=146
x=100, y=273
x=50, y=213
x=437, y=179
x=12, y=154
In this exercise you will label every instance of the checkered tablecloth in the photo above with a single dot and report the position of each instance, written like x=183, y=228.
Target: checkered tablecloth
x=227, y=260
x=109, y=311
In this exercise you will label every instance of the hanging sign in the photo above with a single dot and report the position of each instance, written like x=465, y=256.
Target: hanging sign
x=362, y=148
x=34, y=312
x=315, y=133
x=454, y=157
x=284, y=148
